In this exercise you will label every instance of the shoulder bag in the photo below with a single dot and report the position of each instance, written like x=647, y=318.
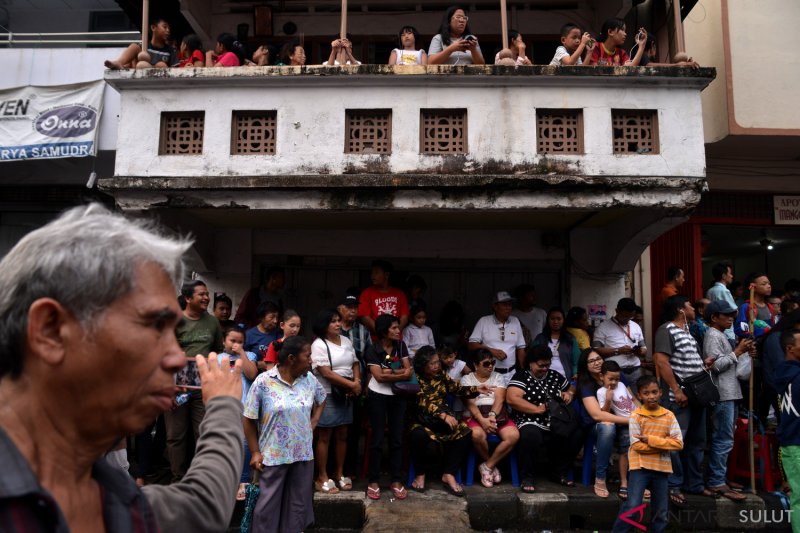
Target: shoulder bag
x=700, y=389
x=339, y=394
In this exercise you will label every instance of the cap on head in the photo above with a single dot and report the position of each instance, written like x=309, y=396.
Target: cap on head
x=719, y=307
x=349, y=300
x=502, y=297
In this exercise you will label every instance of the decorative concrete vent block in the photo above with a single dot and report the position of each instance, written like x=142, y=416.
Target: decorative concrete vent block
x=635, y=131
x=368, y=131
x=181, y=133
x=443, y=131
x=559, y=131
x=253, y=132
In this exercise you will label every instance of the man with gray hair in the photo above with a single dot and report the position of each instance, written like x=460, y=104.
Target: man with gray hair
x=88, y=354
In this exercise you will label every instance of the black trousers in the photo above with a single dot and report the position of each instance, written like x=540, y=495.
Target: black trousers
x=422, y=448
x=386, y=413
x=534, y=441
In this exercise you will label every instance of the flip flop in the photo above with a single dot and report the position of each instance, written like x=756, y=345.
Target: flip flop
x=622, y=493
x=601, y=492
x=454, y=492
x=726, y=492
x=374, y=494
x=345, y=483
x=416, y=488
x=567, y=482
x=527, y=488
x=677, y=499
x=400, y=492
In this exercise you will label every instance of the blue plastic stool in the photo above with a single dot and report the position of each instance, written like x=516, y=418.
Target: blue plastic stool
x=512, y=458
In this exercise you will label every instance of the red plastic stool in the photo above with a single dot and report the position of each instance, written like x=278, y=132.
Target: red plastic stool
x=765, y=452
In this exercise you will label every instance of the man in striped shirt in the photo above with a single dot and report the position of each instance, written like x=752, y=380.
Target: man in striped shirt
x=655, y=433
x=677, y=357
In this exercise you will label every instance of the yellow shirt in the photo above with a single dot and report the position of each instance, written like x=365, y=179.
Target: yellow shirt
x=663, y=436
x=581, y=336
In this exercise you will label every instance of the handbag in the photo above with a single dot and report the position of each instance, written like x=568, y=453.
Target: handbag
x=501, y=417
x=563, y=418
x=338, y=394
x=409, y=387
x=700, y=389
x=744, y=365
x=435, y=424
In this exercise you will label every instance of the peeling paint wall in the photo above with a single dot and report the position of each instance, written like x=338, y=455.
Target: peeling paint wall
x=501, y=130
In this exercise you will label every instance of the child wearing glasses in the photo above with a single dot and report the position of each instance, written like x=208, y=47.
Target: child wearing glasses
x=487, y=414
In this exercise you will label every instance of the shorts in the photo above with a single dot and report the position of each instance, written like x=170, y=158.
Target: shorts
x=472, y=423
x=336, y=413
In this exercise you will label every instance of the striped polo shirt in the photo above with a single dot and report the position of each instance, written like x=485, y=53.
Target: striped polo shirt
x=681, y=347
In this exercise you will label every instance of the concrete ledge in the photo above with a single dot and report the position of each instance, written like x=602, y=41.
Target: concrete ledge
x=551, y=507
x=398, y=75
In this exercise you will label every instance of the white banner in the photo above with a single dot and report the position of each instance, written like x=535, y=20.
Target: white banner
x=787, y=210
x=50, y=122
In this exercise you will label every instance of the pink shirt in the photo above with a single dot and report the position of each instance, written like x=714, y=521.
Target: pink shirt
x=228, y=59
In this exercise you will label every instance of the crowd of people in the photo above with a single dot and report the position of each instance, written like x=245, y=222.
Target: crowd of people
x=93, y=347
x=502, y=385
x=453, y=44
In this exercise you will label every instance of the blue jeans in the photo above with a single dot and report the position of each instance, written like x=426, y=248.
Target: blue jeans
x=605, y=435
x=638, y=481
x=722, y=419
x=245, y=477
x=687, y=465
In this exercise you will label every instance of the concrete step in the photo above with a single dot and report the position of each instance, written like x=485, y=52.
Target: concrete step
x=551, y=508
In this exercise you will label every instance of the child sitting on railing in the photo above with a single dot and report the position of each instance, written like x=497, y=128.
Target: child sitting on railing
x=228, y=53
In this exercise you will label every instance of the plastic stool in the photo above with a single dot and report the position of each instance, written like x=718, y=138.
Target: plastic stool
x=512, y=459
x=765, y=453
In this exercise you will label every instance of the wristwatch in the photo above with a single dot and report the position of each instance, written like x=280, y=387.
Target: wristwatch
x=492, y=413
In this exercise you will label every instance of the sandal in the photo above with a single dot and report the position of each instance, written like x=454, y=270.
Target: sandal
x=487, y=478
x=240, y=494
x=528, y=488
x=599, y=491
x=374, y=494
x=726, y=492
x=646, y=494
x=345, y=483
x=622, y=493
x=455, y=492
x=496, y=476
x=329, y=487
x=400, y=492
x=566, y=482
x=417, y=488
x=676, y=498
x=710, y=493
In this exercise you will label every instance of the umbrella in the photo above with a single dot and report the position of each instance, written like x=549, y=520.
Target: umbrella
x=251, y=494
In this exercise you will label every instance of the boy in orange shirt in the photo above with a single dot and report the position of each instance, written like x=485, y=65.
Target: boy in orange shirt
x=654, y=434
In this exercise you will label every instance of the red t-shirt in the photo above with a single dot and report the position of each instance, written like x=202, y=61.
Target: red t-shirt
x=601, y=57
x=374, y=302
x=197, y=55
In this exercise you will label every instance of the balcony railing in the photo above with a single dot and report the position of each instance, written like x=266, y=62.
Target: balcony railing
x=73, y=39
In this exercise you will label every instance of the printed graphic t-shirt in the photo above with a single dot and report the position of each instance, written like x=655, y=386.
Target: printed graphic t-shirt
x=374, y=302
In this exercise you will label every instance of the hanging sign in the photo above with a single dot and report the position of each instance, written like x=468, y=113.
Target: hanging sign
x=787, y=210
x=50, y=122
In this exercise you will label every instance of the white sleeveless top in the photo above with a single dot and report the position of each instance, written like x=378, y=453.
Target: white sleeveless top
x=408, y=57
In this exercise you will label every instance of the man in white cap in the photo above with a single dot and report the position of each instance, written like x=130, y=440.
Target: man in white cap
x=501, y=334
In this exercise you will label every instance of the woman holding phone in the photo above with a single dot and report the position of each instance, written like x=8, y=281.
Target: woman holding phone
x=455, y=44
